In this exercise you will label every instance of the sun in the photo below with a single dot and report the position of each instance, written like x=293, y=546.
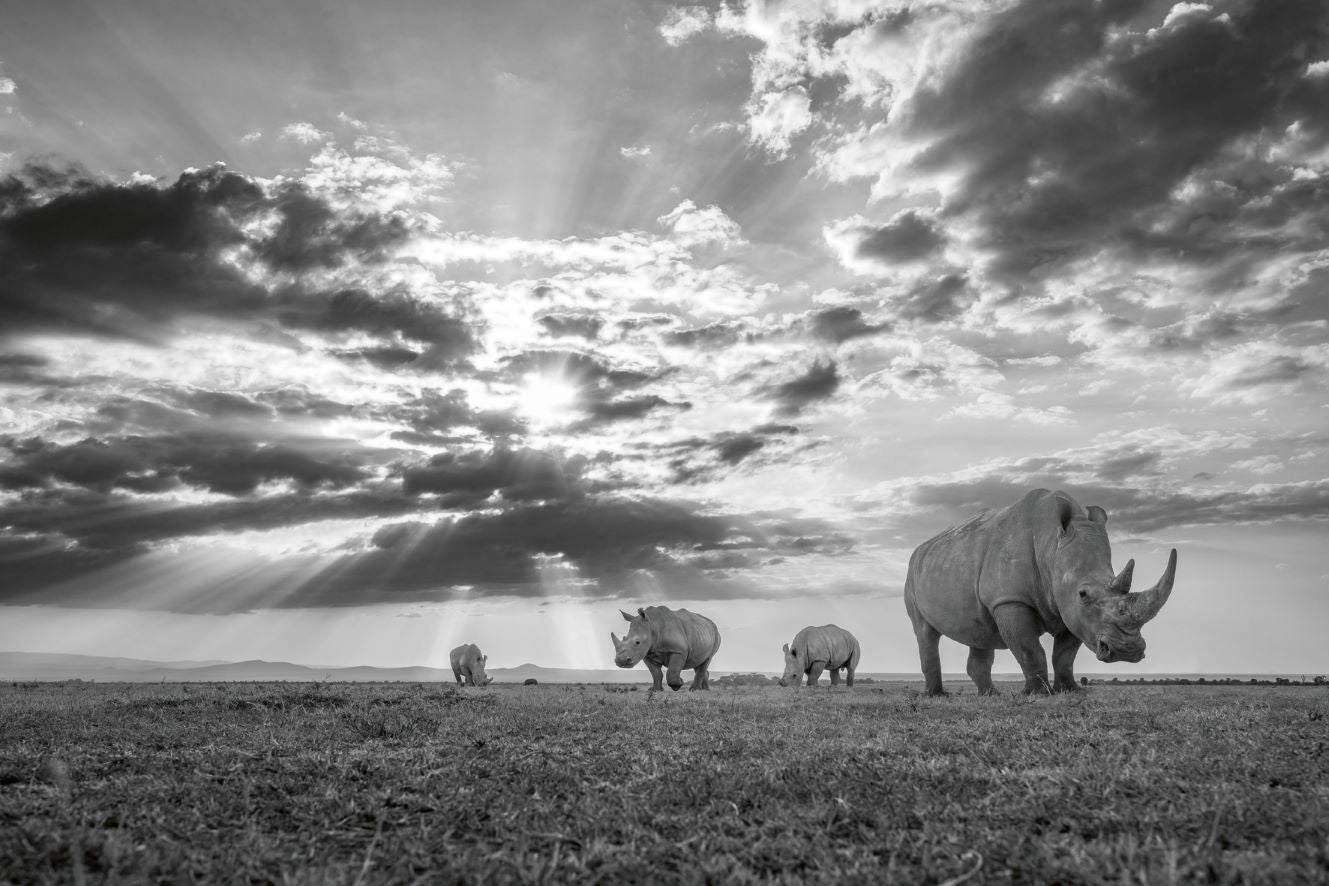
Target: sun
x=546, y=400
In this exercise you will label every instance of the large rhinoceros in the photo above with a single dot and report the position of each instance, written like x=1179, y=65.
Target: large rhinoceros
x=828, y=647
x=673, y=639
x=468, y=665
x=1005, y=578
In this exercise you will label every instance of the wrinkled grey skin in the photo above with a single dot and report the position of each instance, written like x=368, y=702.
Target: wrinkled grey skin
x=468, y=663
x=1005, y=578
x=828, y=647
x=669, y=640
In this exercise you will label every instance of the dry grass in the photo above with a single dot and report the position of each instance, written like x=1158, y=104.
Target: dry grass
x=354, y=783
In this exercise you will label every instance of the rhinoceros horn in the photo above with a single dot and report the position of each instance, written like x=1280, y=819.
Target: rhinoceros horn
x=1122, y=583
x=1145, y=605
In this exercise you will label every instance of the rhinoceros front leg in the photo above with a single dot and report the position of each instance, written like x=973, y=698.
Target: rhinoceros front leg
x=1020, y=628
x=979, y=668
x=675, y=676
x=656, y=674
x=814, y=673
x=1064, y=647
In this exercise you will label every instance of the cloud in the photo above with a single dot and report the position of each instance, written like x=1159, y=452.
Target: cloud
x=820, y=382
x=907, y=237
x=775, y=118
x=840, y=324
x=694, y=227
x=635, y=152
x=304, y=133
x=683, y=22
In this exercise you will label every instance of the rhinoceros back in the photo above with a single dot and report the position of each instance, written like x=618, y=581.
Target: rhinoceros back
x=958, y=576
x=678, y=630
x=464, y=656
x=829, y=643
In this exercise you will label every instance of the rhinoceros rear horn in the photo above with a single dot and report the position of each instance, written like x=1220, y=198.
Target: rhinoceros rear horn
x=1122, y=583
x=1143, y=606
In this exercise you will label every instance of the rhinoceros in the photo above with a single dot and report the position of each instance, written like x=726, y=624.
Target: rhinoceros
x=1005, y=578
x=828, y=647
x=468, y=663
x=673, y=639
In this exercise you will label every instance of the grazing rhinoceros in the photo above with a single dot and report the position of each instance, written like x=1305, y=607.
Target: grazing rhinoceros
x=469, y=663
x=1005, y=578
x=828, y=647
x=670, y=638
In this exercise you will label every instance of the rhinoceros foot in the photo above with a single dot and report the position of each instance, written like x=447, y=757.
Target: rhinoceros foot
x=936, y=693
x=1065, y=686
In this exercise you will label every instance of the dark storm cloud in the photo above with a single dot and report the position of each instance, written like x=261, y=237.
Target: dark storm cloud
x=311, y=234
x=122, y=260
x=705, y=458
x=230, y=465
x=935, y=301
x=607, y=540
x=129, y=260
x=716, y=335
x=820, y=382
x=1132, y=117
x=840, y=324
x=572, y=325
x=907, y=237
x=467, y=479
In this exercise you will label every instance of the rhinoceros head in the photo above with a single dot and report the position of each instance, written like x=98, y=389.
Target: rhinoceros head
x=1095, y=604
x=794, y=668
x=634, y=646
x=478, y=671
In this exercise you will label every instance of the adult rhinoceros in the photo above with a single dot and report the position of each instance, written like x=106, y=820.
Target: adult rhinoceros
x=828, y=647
x=468, y=663
x=673, y=639
x=1005, y=578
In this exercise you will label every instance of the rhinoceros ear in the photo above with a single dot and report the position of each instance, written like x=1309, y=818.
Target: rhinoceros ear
x=1064, y=514
x=1097, y=514
x=641, y=610
x=786, y=649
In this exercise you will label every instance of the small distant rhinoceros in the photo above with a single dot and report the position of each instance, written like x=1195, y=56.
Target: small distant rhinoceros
x=1005, y=578
x=828, y=647
x=673, y=639
x=468, y=663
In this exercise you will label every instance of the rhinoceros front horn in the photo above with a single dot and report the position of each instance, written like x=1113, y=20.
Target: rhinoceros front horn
x=1122, y=583
x=1143, y=606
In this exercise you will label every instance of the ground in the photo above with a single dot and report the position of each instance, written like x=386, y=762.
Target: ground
x=396, y=783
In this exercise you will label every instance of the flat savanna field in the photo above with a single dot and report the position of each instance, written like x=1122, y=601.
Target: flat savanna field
x=376, y=783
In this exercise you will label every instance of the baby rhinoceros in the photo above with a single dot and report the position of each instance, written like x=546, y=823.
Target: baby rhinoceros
x=468, y=663
x=672, y=639
x=828, y=647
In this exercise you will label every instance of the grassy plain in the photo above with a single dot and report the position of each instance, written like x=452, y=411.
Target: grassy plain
x=400, y=783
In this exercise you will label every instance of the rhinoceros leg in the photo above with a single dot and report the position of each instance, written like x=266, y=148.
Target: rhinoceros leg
x=656, y=674
x=701, y=675
x=814, y=673
x=1064, y=647
x=675, y=675
x=979, y=668
x=456, y=673
x=1020, y=628
x=928, y=637
x=835, y=676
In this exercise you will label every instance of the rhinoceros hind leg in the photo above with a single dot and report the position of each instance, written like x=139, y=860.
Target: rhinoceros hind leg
x=979, y=668
x=835, y=676
x=1064, y=647
x=701, y=676
x=656, y=675
x=1020, y=629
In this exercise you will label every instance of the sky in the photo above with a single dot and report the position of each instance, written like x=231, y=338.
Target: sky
x=341, y=333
